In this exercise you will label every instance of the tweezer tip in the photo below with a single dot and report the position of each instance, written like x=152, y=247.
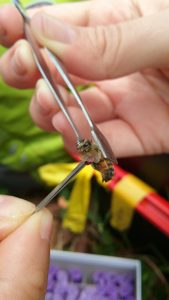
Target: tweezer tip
x=36, y=210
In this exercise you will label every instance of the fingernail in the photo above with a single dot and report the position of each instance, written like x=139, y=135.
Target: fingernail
x=57, y=122
x=17, y=62
x=51, y=28
x=11, y=207
x=46, y=225
x=43, y=97
x=22, y=60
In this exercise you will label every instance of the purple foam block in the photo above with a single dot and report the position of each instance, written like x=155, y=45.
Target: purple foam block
x=88, y=293
x=97, y=275
x=51, y=283
x=62, y=276
x=102, y=297
x=109, y=276
x=52, y=277
x=49, y=296
x=57, y=296
x=129, y=278
x=130, y=298
x=126, y=290
x=114, y=297
x=61, y=288
x=108, y=285
x=71, y=297
x=53, y=271
x=75, y=275
x=73, y=291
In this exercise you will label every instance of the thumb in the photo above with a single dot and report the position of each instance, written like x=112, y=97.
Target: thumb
x=13, y=212
x=105, y=52
x=24, y=259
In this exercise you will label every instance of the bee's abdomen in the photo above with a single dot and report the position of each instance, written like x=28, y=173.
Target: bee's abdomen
x=108, y=174
x=106, y=168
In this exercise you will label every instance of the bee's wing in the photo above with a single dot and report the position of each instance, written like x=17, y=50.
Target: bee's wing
x=104, y=145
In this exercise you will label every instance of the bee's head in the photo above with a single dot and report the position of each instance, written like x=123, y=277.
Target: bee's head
x=84, y=145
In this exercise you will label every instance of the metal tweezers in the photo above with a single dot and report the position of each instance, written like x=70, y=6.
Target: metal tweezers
x=96, y=135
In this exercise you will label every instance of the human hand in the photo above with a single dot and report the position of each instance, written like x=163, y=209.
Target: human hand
x=24, y=249
x=104, y=40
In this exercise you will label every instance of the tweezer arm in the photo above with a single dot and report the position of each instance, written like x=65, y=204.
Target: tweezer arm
x=60, y=186
x=96, y=134
x=43, y=68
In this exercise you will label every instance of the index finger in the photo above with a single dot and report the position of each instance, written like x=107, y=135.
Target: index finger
x=11, y=23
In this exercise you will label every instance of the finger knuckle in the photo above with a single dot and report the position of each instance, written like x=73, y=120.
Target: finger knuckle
x=109, y=40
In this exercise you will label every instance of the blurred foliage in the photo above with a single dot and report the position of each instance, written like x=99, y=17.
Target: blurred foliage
x=23, y=146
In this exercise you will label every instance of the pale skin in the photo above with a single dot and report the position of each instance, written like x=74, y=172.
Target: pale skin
x=24, y=249
x=120, y=45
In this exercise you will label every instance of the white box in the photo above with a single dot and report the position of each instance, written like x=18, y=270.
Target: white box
x=89, y=263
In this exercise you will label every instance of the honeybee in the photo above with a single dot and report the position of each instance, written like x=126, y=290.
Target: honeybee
x=92, y=155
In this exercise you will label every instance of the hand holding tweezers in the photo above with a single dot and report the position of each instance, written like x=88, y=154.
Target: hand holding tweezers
x=96, y=135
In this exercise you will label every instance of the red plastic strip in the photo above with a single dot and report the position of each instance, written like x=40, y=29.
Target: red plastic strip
x=155, y=209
